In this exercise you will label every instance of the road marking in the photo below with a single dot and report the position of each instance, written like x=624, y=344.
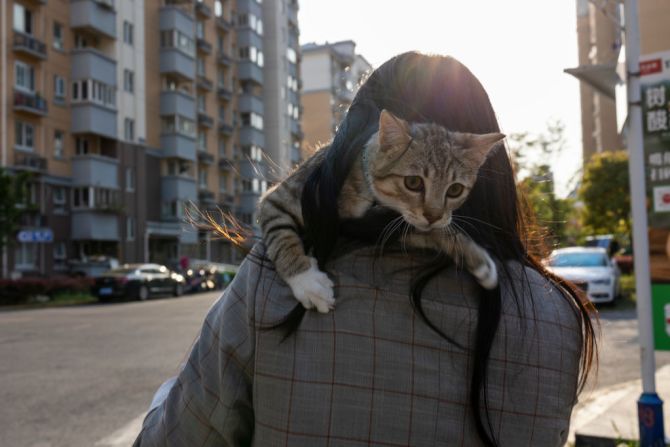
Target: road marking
x=125, y=436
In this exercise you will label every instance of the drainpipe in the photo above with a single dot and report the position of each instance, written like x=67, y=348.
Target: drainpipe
x=3, y=107
x=146, y=245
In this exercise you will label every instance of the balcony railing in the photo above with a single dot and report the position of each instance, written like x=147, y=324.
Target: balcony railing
x=30, y=102
x=206, y=197
x=205, y=120
x=226, y=164
x=224, y=24
x=205, y=158
x=32, y=162
x=226, y=129
x=202, y=9
x=204, y=83
x=224, y=93
x=30, y=45
x=223, y=59
x=204, y=46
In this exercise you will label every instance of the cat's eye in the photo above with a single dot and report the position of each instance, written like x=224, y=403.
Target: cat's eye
x=414, y=183
x=455, y=190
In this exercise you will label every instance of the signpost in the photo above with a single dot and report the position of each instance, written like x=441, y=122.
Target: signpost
x=650, y=407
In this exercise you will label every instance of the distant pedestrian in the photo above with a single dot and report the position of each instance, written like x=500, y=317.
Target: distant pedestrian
x=415, y=353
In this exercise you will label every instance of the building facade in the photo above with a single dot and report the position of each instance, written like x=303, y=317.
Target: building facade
x=599, y=44
x=331, y=74
x=127, y=113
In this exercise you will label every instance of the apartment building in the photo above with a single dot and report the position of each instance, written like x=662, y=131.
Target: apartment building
x=600, y=44
x=126, y=113
x=331, y=74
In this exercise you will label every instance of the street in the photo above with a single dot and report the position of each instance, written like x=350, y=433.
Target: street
x=83, y=376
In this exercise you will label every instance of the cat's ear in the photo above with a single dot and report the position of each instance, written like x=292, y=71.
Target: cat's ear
x=477, y=147
x=393, y=131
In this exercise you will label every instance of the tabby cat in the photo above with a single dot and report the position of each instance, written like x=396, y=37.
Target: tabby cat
x=420, y=170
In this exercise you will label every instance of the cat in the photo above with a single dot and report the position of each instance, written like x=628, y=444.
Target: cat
x=420, y=170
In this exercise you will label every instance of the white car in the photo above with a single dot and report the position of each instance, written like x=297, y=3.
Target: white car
x=589, y=268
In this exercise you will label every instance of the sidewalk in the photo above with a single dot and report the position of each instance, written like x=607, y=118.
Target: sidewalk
x=610, y=414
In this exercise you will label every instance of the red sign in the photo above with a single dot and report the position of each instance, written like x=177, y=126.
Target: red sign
x=650, y=67
x=666, y=198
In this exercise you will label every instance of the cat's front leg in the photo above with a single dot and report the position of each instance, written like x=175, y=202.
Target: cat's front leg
x=313, y=288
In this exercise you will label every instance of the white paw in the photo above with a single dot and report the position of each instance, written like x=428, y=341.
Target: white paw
x=487, y=274
x=313, y=288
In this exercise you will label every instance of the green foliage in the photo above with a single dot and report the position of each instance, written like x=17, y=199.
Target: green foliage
x=12, y=196
x=606, y=196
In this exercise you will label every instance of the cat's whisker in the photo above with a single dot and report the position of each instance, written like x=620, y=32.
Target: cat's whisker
x=388, y=231
x=479, y=221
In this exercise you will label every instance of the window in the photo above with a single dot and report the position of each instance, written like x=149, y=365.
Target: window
x=252, y=119
x=128, y=30
x=60, y=250
x=59, y=136
x=129, y=129
x=202, y=141
x=130, y=180
x=23, y=19
x=200, y=29
x=25, y=255
x=202, y=178
x=128, y=81
x=218, y=8
x=200, y=65
x=291, y=55
x=94, y=91
x=25, y=136
x=24, y=77
x=201, y=103
x=81, y=146
x=253, y=153
x=222, y=113
x=58, y=195
x=130, y=228
x=59, y=88
x=175, y=39
x=178, y=124
x=223, y=182
x=58, y=36
x=251, y=21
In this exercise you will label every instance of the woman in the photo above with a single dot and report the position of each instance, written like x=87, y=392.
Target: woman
x=476, y=367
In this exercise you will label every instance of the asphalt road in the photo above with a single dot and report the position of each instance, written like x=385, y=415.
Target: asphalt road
x=73, y=376
x=79, y=376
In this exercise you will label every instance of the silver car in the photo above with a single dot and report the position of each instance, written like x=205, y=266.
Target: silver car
x=589, y=268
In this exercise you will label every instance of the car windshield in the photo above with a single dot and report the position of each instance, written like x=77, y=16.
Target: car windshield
x=578, y=260
x=123, y=270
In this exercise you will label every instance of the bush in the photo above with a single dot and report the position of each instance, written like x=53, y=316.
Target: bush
x=19, y=291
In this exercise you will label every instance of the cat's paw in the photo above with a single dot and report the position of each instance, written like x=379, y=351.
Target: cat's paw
x=487, y=274
x=313, y=288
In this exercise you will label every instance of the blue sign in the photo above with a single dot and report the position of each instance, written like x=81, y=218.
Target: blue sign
x=44, y=235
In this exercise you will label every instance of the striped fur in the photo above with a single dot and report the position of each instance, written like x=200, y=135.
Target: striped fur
x=398, y=151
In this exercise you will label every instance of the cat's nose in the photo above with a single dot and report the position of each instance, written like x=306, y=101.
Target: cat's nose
x=431, y=218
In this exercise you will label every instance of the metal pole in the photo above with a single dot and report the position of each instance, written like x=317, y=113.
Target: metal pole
x=650, y=407
x=3, y=110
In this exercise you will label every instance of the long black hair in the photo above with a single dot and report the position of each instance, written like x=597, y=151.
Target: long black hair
x=438, y=89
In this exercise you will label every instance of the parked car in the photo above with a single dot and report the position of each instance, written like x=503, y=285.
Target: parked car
x=589, y=268
x=606, y=241
x=138, y=281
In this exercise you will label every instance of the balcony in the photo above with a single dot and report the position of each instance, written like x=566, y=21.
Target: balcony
x=174, y=187
x=204, y=83
x=176, y=102
x=27, y=44
x=205, y=120
x=202, y=9
x=249, y=71
x=250, y=136
x=175, y=18
x=250, y=103
x=97, y=16
x=225, y=60
x=32, y=103
x=293, y=15
x=226, y=129
x=29, y=162
x=178, y=146
x=246, y=37
x=95, y=225
x=203, y=46
x=226, y=164
x=223, y=24
x=95, y=170
x=295, y=129
x=94, y=118
x=206, y=198
x=88, y=63
x=205, y=158
x=225, y=94
x=176, y=62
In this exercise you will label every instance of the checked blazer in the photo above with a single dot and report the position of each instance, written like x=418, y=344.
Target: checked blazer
x=371, y=372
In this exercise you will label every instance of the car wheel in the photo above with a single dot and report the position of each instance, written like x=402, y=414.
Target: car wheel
x=143, y=293
x=178, y=290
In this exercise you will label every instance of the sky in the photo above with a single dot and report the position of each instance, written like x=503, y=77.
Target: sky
x=517, y=48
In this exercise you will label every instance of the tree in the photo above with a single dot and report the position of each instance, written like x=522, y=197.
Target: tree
x=606, y=195
x=532, y=155
x=12, y=195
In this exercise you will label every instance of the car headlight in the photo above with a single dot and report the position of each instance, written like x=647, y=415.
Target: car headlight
x=602, y=281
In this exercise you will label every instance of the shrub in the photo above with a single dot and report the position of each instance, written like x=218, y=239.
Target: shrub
x=19, y=291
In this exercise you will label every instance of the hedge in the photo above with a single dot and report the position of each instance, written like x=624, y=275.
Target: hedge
x=20, y=291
